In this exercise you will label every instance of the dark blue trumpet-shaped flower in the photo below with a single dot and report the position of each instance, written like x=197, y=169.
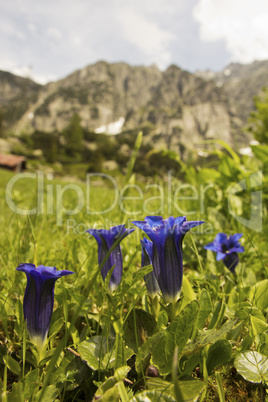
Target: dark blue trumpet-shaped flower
x=39, y=299
x=147, y=259
x=107, y=240
x=167, y=235
x=227, y=249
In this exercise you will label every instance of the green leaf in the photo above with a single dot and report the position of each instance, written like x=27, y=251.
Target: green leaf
x=31, y=383
x=121, y=373
x=182, y=326
x=178, y=333
x=217, y=314
x=49, y=395
x=93, y=351
x=218, y=354
x=258, y=326
x=207, y=337
x=145, y=351
x=163, y=352
x=107, y=388
x=56, y=326
x=12, y=364
x=122, y=392
x=138, y=327
x=261, y=152
x=152, y=396
x=188, y=292
x=263, y=346
x=191, y=390
x=259, y=294
x=229, y=149
x=253, y=366
x=74, y=333
x=16, y=395
x=119, y=351
x=206, y=175
x=204, y=310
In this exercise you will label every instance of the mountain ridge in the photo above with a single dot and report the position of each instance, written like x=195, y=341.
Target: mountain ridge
x=180, y=107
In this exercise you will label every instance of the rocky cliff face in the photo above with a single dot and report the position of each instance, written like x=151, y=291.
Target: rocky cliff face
x=180, y=108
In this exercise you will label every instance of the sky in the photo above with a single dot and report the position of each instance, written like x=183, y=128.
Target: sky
x=48, y=40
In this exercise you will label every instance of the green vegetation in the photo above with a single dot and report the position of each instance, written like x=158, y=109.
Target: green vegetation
x=120, y=347
x=259, y=118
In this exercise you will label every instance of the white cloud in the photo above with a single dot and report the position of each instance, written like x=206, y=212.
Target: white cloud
x=25, y=72
x=242, y=24
x=53, y=33
x=147, y=36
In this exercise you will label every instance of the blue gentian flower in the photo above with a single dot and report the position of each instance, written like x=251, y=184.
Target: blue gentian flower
x=39, y=299
x=106, y=240
x=227, y=249
x=167, y=235
x=147, y=259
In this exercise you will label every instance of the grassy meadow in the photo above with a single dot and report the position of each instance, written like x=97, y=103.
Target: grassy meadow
x=121, y=347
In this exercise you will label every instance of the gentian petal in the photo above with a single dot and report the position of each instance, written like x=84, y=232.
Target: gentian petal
x=186, y=226
x=106, y=240
x=146, y=259
x=39, y=298
x=227, y=249
x=220, y=256
x=167, y=236
x=221, y=238
x=212, y=247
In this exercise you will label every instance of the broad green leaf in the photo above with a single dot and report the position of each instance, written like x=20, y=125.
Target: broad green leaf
x=182, y=326
x=207, y=337
x=152, y=396
x=261, y=152
x=253, y=366
x=263, y=344
x=238, y=296
x=235, y=332
x=105, y=389
x=16, y=395
x=229, y=149
x=93, y=351
x=49, y=395
x=191, y=389
x=259, y=294
x=138, y=327
x=30, y=383
x=119, y=351
x=56, y=326
x=191, y=363
x=105, y=386
x=204, y=310
x=162, y=320
x=217, y=314
x=121, y=373
x=218, y=354
x=258, y=326
x=178, y=333
x=188, y=292
x=145, y=351
x=162, y=353
x=12, y=364
x=246, y=343
x=206, y=175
